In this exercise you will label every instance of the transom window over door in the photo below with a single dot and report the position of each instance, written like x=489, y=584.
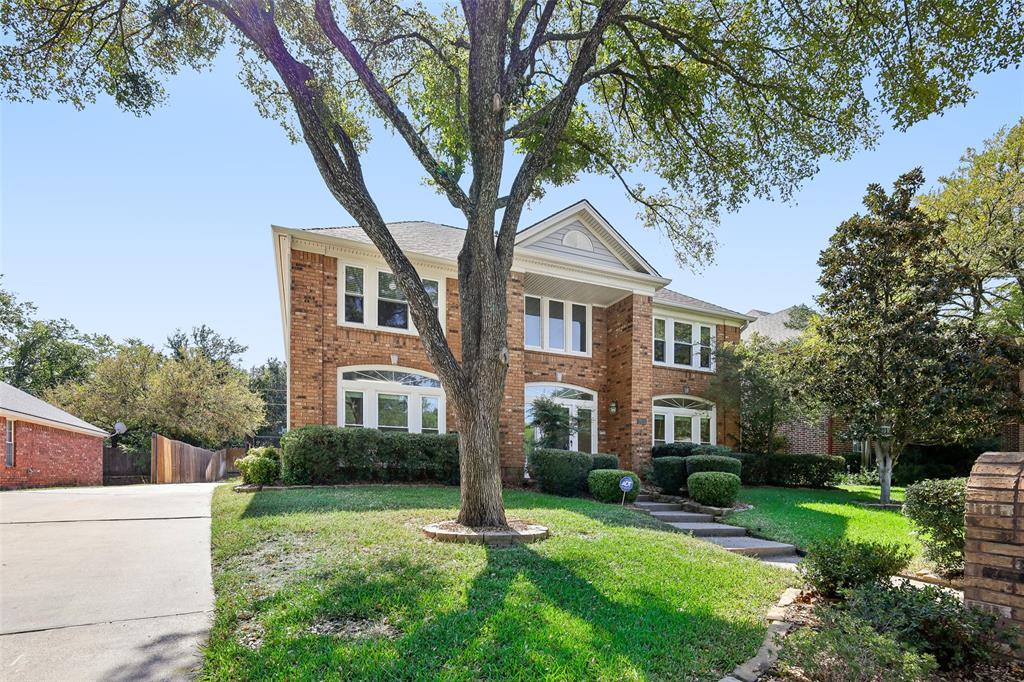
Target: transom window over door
x=682, y=343
x=558, y=326
x=390, y=399
x=683, y=419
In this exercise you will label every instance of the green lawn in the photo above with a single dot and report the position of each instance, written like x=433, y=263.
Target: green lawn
x=802, y=515
x=609, y=596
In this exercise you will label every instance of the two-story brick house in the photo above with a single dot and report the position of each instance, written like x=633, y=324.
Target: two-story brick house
x=591, y=326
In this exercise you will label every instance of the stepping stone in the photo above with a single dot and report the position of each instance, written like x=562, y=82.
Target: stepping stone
x=752, y=546
x=658, y=506
x=707, y=530
x=682, y=517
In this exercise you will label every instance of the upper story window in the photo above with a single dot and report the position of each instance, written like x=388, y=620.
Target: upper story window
x=9, y=443
x=683, y=343
x=372, y=298
x=559, y=326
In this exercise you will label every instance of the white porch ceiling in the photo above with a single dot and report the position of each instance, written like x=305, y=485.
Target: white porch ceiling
x=536, y=284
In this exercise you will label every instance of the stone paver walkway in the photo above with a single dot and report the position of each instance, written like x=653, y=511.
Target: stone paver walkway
x=731, y=538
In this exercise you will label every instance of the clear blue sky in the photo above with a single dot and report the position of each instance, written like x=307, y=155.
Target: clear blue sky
x=136, y=226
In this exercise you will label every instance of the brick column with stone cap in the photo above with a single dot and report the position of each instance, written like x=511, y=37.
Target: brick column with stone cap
x=994, y=550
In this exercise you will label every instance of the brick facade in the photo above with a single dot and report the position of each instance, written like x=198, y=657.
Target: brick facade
x=994, y=542
x=46, y=456
x=619, y=368
x=822, y=436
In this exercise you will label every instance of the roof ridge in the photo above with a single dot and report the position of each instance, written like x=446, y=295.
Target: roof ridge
x=390, y=222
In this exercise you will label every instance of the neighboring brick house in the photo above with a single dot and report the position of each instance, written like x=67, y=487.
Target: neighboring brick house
x=46, y=446
x=821, y=436
x=591, y=326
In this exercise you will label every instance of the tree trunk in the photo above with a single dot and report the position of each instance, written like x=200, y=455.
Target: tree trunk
x=480, y=466
x=883, y=454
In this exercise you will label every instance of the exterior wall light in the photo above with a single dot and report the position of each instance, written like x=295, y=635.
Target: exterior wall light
x=613, y=407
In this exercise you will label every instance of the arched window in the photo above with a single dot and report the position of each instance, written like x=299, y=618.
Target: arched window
x=683, y=419
x=390, y=399
x=579, y=403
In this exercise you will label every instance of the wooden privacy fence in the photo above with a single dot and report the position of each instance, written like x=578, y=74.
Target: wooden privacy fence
x=175, y=462
x=120, y=467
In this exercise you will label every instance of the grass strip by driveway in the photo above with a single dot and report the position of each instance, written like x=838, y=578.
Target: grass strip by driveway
x=610, y=596
x=802, y=516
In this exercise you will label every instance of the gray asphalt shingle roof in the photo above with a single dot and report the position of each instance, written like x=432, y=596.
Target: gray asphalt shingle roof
x=17, y=401
x=771, y=325
x=674, y=297
x=414, y=236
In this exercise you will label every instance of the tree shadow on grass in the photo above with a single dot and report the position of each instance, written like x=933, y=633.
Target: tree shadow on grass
x=522, y=616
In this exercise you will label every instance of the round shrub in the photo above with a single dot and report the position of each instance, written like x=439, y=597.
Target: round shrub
x=835, y=564
x=672, y=450
x=937, y=507
x=604, y=461
x=669, y=474
x=257, y=470
x=560, y=472
x=268, y=452
x=696, y=463
x=713, y=488
x=604, y=485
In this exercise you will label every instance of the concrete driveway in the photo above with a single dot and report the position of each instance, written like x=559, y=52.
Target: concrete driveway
x=104, y=583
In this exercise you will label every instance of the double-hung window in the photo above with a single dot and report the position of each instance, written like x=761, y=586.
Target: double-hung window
x=368, y=297
x=559, y=326
x=9, y=443
x=683, y=343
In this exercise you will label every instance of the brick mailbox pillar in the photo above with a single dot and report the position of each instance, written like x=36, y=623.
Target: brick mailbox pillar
x=994, y=556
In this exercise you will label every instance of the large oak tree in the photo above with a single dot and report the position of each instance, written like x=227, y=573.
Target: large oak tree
x=715, y=99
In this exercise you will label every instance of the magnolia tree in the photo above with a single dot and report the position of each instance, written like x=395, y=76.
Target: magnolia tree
x=495, y=99
x=883, y=355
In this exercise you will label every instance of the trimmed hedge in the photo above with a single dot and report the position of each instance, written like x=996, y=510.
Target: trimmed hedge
x=713, y=488
x=697, y=463
x=258, y=470
x=331, y=454
x=669, y=474
x=561, y=472
x=937, y=508
x=672, y=450
x=794, y=471
x=715, y=450
x=604, y=461
x=604, y=485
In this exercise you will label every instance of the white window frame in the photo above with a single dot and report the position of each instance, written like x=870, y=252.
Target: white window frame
x=371, y=291
x=371, y=389
x=544, y=346
x=573, y=405
x=695, y=346
x=9, y=447
x=695, y=415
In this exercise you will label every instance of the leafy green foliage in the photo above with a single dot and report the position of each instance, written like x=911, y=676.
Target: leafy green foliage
x=754, y=469
x=713, y=488
x=669, y=474
x=930, y=621
x=845, y=649
x=714, y=450
x=938, y=507
x=602, y=460
x=258, y=470
x=560, y=472
x=270, y=382
x=836, y=564
x=604, y=485
x=553, y=422
x=329, y=454
x=267, y=452
x=695, y=463
x=673, y=450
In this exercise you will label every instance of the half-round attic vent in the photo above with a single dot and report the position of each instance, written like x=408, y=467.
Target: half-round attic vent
x=577, y=240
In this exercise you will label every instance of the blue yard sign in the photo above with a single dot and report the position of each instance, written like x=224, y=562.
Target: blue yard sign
x=626, y=484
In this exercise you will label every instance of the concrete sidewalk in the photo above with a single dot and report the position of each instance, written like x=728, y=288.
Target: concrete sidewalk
x=104, y=583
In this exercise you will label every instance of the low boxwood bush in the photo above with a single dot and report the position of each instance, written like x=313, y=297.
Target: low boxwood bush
x=937, y=507
x=604, y=461
x=806, y=470
x=754, y=469
x=604, y=485
x=269, y=452
x=713, y=488
x=673, y=450
x=836, y=564
x=560, y=472
x=845, y=649
x=258, y=470
x=330, y=454
x=713, y=450
x=696, y=463
x=930, y=621
x=669, y=474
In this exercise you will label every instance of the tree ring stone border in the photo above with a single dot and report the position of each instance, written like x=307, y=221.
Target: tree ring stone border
x=519, y=534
